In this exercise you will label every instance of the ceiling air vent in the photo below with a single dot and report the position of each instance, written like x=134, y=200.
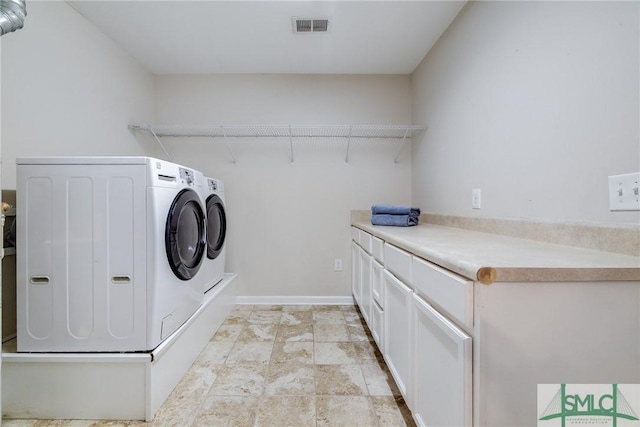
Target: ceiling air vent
x=310, y=25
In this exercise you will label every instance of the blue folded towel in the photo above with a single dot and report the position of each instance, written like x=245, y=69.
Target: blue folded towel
x=394, y=220
x=394, y=210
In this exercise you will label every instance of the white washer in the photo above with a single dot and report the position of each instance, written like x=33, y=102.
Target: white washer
x=109, y=250
x=214, y=201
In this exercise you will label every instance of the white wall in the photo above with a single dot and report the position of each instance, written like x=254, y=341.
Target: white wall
x=289, y=221
x=535, y=103
x=68, y=90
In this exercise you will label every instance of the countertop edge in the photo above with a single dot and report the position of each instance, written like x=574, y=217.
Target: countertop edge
x=488, y=274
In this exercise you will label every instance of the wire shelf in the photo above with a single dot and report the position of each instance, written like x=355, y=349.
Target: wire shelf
x=348, y=132
x=295, y=131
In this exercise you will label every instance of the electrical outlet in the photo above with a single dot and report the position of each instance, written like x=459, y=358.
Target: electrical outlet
x=475, y=198
x=624, y=192
x=337, y=264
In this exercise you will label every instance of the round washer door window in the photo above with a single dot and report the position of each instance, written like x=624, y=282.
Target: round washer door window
x=216, y=226
x=185, y=235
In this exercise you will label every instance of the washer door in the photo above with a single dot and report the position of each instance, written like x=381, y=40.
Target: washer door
x=185, y=235
x=216, y=226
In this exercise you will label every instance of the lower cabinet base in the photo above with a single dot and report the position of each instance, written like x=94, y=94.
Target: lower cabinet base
x=113, y=386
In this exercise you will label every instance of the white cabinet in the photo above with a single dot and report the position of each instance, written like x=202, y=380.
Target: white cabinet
x=441, y=377
x=361, y=280
x=397, y=348
x=355, y=272
x=463, y=353
x=377, y=311
x=355, y=234
x=365, y=285
x=448, y=291
x=442, y=374
x=378, y=249
x=428, y=355
x=398, y=262
x=376, y=283
x=377, y=324
x=366, y=241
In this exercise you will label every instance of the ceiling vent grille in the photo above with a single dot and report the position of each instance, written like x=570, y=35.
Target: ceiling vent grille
x=310, y=25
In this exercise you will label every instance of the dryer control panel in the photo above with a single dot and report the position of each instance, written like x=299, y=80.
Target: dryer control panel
x=187, y=176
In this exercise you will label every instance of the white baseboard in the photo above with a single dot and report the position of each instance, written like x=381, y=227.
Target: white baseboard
x=295, y=300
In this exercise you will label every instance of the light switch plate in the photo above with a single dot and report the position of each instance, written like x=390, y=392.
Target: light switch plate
x=475, y=198
x=624, y=192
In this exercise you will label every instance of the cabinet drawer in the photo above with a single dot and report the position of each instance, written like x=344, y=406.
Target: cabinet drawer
x=355, y=234
x=366, y=241
x=398, y=262
x=452, y=293
x=378, y=249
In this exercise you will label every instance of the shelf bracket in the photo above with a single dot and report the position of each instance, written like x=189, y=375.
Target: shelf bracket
x=226, y=141
x=346, y=159
x=404, y=138
x=160, y=143
x=291, y=144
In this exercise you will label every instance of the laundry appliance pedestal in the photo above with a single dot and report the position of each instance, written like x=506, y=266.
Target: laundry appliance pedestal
x=115, y=386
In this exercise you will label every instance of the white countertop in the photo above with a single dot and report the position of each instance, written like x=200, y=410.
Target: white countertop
x=494, y=258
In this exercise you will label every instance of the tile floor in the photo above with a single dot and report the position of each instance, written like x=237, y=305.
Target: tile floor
x=280, y=366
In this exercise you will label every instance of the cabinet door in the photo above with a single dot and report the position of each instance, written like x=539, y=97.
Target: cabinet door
x=377, y=324
x=365, y=286
x=441, y=394
x=355, y=272
x=377, y=320
x=376, y=282
x=397, y=331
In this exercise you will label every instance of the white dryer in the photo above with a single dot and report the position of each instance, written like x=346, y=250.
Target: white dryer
x=108, y=252
x=213, y=198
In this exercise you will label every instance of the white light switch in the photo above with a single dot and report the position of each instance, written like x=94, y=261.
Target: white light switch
x=624, y=192
x=475, y=198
